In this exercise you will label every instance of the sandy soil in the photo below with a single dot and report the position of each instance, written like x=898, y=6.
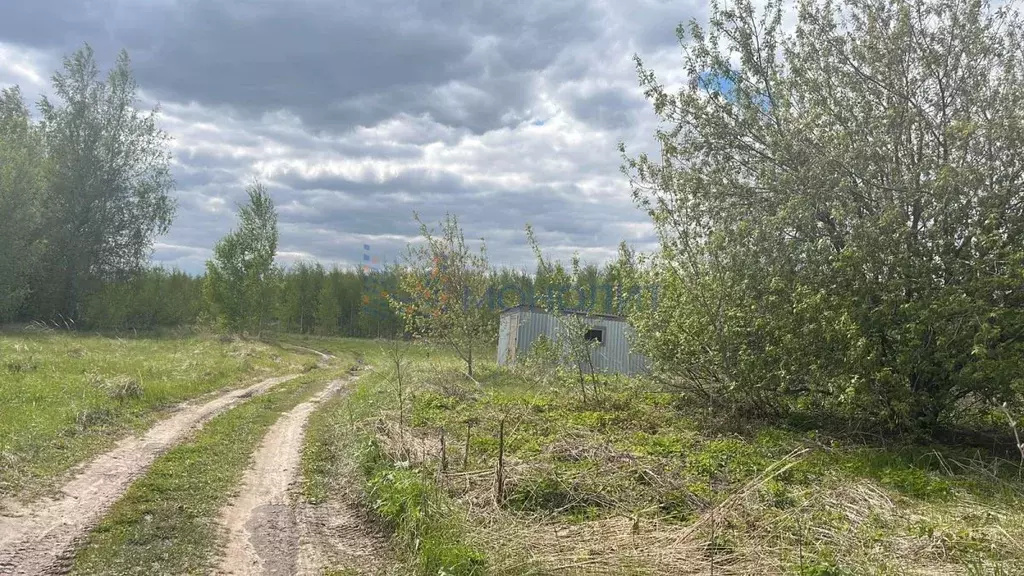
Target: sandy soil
x=40, y=538
x=267, y=532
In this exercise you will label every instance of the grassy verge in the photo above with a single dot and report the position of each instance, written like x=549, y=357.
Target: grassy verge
x=636, y=482
x=65, y=398
x=342, y=452
x=166, y=522
x=328, y=440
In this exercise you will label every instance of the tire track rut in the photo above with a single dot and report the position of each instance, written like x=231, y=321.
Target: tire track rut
x=40, y=538
x=261, y=521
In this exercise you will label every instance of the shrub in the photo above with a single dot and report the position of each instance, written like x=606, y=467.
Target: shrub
x=820, y=243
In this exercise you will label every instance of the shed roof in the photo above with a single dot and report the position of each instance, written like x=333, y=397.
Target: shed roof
x=530, y=308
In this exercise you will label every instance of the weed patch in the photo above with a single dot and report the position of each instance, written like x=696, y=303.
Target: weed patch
x=422, y=517
x=632, y=481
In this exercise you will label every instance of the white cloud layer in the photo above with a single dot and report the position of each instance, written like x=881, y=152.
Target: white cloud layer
x=357, y=114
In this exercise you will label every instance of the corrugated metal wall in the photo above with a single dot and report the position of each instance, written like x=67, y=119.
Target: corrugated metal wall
x=613, y=356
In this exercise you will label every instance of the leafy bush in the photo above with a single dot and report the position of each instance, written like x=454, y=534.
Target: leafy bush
x=835, y=227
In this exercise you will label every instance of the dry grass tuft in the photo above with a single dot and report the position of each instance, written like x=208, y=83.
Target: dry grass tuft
x=413, y=447
x=449, y=382
x=77, y=352
x=617, y=545
x=123, y=388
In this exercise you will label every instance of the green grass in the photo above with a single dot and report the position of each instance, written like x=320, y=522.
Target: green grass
x=341, y=448
x=166, y=522
x=426, y=522
x=648, y=486
x=323, y=455
x=65, y=398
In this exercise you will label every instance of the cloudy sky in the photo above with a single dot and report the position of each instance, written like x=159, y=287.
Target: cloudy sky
x=357, y=113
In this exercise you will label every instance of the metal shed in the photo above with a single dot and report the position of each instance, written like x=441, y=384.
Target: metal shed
x=520, y=326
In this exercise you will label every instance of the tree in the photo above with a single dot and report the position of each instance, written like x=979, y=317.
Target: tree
x=328, y=307
x=22, y=194
x=241, y=278
x=839, y=208
x=446, y=283
x=300, y=288
x=148, y=299
x=109, y=180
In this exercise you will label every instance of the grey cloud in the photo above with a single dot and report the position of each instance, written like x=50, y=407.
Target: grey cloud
x=315, y=83
x=608, y=108
x=330, y=225
x=489, y=212
x=334, y=64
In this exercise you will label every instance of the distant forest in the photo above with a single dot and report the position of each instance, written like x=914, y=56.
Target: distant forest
x=311, y=299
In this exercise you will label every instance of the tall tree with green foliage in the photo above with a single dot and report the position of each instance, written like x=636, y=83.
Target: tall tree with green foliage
x=241, y=278
x=328, y=307
x=23, y=166
x=445, y=287
x=840, y=208
x=109, y=180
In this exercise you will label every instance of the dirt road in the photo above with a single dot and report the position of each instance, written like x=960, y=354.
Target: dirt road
x=262, y=522
x=38, y=538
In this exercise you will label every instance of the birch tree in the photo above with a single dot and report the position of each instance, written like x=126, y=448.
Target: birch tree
x=241, y=279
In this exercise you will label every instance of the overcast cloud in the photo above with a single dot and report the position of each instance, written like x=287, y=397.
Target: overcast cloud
x=356, y=114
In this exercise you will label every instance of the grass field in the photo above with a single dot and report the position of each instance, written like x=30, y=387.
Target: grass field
x=65, y=397
x=635, y=482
